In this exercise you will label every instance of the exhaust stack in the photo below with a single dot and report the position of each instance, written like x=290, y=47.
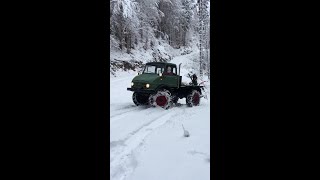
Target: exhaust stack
x=179, y=76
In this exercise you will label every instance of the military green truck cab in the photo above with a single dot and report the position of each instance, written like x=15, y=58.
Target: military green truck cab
x=159, y=84
x=154, y=76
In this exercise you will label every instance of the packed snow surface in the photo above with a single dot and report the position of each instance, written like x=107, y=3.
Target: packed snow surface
x=147, y=143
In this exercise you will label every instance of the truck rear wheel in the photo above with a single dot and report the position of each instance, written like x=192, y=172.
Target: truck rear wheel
x=162, y=99
x=193, y=99
x=139, y=99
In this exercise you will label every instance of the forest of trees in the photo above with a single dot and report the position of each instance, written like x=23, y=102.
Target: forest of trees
x=145, y=22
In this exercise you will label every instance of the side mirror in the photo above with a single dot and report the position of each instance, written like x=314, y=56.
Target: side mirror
x=138, y=73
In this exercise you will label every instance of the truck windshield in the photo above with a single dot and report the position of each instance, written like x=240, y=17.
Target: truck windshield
x=153, y=69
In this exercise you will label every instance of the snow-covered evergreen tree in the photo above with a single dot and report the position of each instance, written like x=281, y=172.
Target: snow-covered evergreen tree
x=204, y=23
x=186, y=19
x=147, y=23
x=124, y=22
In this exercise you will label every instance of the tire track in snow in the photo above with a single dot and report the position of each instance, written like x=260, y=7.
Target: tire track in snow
x=123, y=161
x=132, y=133
x=123, y=114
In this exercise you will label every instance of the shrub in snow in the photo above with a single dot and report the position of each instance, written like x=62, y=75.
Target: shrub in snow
x=185, y=132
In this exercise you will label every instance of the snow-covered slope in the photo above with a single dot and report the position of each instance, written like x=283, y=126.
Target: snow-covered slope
x=161, y=51
x=148, y=143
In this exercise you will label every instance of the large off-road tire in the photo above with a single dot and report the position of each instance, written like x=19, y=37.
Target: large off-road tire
x=162, y=99
x=139, y=99
x=193, y=99
x=151, y=100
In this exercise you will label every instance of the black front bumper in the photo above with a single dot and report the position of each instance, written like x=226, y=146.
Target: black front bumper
x=140, y=90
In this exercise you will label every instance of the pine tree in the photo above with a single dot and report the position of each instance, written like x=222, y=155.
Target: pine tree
x=124, y=21
x=186, y=19
x=203, y=34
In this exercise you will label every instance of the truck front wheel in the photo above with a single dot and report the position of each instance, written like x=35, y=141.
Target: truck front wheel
x=162, y=99
x=193, y=99
x=139, y=99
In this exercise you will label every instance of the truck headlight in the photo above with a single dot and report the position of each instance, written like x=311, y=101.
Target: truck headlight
x=147, y=85
x=132, y=83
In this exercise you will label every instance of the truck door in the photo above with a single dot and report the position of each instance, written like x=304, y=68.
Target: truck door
x=170, y=77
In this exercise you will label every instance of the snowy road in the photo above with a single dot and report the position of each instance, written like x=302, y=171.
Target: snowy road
x=148, y=143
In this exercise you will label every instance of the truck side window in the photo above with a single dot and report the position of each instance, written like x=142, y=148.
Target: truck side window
x=174, y=70
x=171, y=70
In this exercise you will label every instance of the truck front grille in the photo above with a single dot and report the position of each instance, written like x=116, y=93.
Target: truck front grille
x=138, y=85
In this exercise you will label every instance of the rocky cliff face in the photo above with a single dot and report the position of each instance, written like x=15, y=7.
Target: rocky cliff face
x=116, y=65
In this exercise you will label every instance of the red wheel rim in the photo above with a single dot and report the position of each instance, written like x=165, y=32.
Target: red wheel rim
x=161, y=100
x=196, y=99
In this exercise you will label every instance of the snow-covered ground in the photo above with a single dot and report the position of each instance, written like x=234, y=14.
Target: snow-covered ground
x=148, y=144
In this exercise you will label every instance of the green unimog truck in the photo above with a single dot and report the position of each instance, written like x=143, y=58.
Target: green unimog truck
x=160, y=85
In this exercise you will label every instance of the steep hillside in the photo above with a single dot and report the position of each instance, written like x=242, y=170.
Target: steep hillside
x=122, y=62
